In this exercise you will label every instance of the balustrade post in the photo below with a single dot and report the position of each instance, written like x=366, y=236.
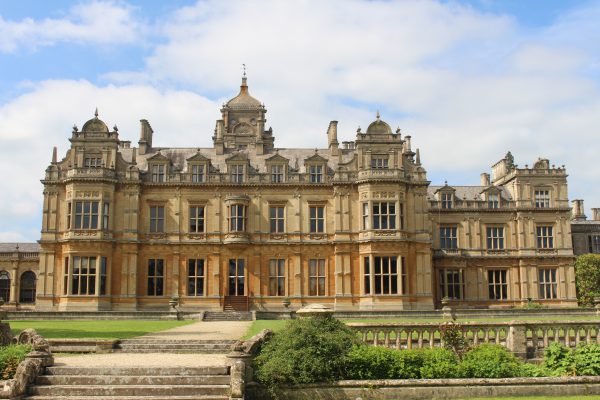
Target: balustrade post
x=516, y=341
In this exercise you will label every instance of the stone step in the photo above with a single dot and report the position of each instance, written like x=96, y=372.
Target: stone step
x=175, y=345
x=173, y=351
x=128, y=390
x=194, y=397
x=132, y=380
x=227, y=316
x=177, y=341
x=138, y=371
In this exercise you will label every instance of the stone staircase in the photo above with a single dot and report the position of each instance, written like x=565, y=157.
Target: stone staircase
x=128, y=383
x=227, y=316
x=188, y=346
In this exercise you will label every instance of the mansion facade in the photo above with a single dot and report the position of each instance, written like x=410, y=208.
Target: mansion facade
x=244, y=225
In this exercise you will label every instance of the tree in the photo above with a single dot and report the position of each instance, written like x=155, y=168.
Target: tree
x=587, y=277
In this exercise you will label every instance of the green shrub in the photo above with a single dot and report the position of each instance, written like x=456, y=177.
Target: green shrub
x=534, y=371
x=489, y=361
x=439, y=363
x=370, y=362
x=586, y=359
x=307, y=350
x=10, y=357
x=587, y=278
x=559, y=359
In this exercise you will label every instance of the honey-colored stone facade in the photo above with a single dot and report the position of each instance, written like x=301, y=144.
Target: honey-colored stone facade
x=245, y=225
x=18, y=274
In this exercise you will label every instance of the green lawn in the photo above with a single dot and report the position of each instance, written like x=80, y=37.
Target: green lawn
x=276, y=325
x=96, y=329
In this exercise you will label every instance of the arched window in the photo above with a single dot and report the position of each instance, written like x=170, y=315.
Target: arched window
x=27, y=288
x=5, y=286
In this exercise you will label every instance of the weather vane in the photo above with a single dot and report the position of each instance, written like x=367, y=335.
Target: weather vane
x=244, y=68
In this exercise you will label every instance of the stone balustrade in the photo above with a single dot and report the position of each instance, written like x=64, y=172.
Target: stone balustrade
x=527, y=339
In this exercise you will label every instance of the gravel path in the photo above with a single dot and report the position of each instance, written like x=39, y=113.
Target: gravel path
x=226, y=330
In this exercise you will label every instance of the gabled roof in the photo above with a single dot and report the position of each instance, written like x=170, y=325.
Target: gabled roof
x=445, y=188
x=198, y=157
x=277, y=158
x=315, y=158
x=158, y=157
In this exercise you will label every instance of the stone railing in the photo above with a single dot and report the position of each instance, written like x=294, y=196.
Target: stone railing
x=241, y=356
x=526, y=339
x=34, y=363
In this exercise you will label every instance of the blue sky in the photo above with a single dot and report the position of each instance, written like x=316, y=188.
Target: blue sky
x=469, y=80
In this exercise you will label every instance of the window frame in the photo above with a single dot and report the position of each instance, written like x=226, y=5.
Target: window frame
x=277, y=220
x=157, y=221
x=495, y=237
x=497, y=279
x=493, y=200
x=158, y=172
x=315, y=277
x=456, y=284
x=277, y=277
x=197, y=172
x=544, y=235
x=380, y=162
x=316, y=173
x=316, y=221
x=196, y=282
x=197, y=219
x=237, y=222
x=380, y=218
x=237, y=173
x=548, y=283
x=541, y=198
x=277, y=173
x=155, y=278
x=452, y=238
x=80, y=215
x=447, y=200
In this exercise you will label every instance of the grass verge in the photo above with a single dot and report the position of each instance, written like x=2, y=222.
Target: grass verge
x=97, y=329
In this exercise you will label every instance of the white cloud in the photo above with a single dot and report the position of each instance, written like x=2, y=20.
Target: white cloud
x=97, y=22
x=467, y=86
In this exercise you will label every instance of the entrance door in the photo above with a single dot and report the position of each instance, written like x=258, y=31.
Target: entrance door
x=237, y=280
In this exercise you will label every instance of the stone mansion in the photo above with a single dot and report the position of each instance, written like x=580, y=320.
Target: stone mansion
x=244, y=225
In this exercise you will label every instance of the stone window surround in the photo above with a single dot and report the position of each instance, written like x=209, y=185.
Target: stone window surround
x=401, y=274
x=68, y=273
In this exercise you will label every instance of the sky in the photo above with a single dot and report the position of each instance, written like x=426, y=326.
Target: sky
x=468, y=80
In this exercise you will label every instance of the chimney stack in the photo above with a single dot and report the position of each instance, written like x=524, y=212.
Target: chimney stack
x=578, y=213
x=596, y=214
x=485, y=179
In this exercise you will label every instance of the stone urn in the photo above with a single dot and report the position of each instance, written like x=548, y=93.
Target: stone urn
x=174, y=302
x=286, y=302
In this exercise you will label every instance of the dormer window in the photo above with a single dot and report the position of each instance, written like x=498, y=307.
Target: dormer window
x=447, y=200
x=197, y=173
x=158, y=172
x=379, y=162
x=236, y=172
x=315, y=173
x=493, y=200
x=277, y=173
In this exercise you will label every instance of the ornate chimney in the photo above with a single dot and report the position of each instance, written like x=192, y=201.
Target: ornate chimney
x=578, y=213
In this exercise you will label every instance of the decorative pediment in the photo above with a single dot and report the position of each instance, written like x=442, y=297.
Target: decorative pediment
x=159, y=157
x=198, y=157
x=237, y=157
x=276, y=158
x=315, y=159
x=445, y=189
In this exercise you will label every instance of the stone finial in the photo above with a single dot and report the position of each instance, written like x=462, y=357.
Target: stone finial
x=418, y=156
x=96, y=113
x=54, y=156
x=377, y=116
x=115, y=128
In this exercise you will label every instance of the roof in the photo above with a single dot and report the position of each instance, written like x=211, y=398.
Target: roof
x=23, y=247
x=243, y=101
x=468, y=192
